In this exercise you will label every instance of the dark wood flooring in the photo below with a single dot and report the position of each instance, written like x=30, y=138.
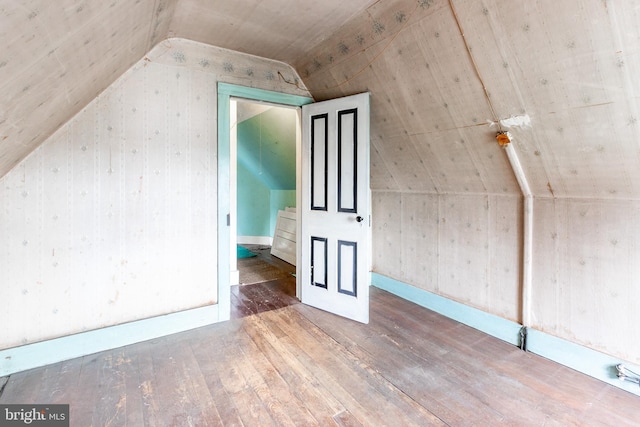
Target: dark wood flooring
x=252, y=298
x=299, y=366
x=247, y=300
x=263, y=253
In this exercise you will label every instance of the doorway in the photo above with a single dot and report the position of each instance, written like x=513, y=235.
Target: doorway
x=336, y=161
x=227, y=199
x=264, y=141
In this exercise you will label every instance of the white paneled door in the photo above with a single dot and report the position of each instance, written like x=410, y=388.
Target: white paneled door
x=335, y=210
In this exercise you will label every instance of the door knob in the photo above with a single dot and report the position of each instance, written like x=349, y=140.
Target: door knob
x=359, y=218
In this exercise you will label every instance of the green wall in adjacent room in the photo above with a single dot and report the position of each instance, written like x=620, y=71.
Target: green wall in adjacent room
x=266, y=170
x=254, y=205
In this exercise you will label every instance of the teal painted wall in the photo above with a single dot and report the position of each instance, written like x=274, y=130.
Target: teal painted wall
x=266, y=145
x=254, y=205
x=266, y=170
x=258, y=206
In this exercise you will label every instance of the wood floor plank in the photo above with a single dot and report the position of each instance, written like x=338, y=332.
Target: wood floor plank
x=209, y=354
x=271, y=390
x=27, y=386
x=183, y=395
x=346, y=419
x=294, y=408
x=84, y=406
x=133, y=403
x=111, y=407
x=380, y=348
x=256, y=298
x=298, y=377
x=326, y=384
x=463, y=380
x=147, y=388
x=301, y=366
x=342, y=371
x=237, y=383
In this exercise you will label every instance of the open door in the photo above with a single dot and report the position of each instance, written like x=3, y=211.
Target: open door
x=335, y=207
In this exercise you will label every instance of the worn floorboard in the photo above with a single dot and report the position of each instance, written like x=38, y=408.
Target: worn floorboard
x=269, y=291
x=299, y=366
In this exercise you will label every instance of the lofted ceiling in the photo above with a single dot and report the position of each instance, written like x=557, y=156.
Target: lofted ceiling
x=283, y=30
x=445, y=76
x=58, y=55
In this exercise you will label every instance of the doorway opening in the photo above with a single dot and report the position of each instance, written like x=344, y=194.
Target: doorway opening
x=336, y=161
x=264, y=151
x=226, y=201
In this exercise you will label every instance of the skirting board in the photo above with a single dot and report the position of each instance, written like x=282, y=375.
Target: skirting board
x=493, y=325
x=43, y=353
x=580, y=358
x=575, y=356
x=255, y=240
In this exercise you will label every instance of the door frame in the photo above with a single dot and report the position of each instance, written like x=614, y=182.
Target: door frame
x=226, y=92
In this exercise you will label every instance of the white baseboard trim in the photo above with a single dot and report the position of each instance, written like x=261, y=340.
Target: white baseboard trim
x=56, y=350
x=255, y=240
x=575, y=356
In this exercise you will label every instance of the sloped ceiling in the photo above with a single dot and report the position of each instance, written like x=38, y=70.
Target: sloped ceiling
x=284, y=30
x=560, y=76
x=56, y=56
x=445, y=76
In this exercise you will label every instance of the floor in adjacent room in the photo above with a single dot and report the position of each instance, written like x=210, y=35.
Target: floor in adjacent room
x=300, y=366
x=266, y=283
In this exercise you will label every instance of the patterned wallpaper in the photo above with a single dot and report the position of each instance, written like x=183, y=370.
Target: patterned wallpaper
x=57, y=56
x=465, y=247
x=114, y=217
x=562, y=78
x=568, y=67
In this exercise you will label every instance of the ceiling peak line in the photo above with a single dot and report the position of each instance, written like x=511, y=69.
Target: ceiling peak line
x=475, y=66
x=151, y=29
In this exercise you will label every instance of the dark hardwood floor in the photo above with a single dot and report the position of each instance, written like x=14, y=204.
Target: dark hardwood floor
x=247, y=300
x=263, y=253
x=252, y=298
x=298, y=366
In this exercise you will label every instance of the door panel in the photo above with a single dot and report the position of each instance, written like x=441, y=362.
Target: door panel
x=335, y=211
x=319, y=178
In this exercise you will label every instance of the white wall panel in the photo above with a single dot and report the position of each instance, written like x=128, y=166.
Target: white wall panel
x=114, y=217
